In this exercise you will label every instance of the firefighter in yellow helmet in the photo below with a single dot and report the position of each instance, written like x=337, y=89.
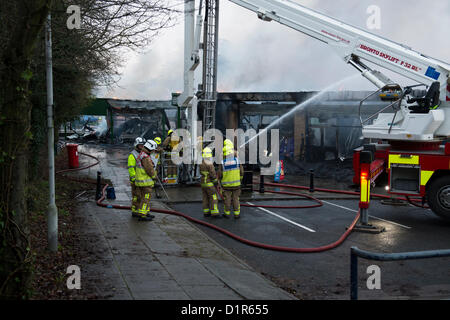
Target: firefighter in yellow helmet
x=138, y=144
x=227, y=143
x=166, y=142
x=230, y=174
x=145, y=180
x=170, y=144
x=208, y=182
x=158, y=152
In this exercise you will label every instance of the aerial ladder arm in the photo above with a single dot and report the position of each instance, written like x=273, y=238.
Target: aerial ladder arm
x=353, y=44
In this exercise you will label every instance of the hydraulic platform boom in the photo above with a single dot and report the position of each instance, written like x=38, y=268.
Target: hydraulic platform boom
x=413, y=119
x=414, y=157
x=354, y=44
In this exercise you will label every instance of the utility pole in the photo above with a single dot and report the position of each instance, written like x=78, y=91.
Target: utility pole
x=52, y=214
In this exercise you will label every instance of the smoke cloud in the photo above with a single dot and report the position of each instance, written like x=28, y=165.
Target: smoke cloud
x=265, y=56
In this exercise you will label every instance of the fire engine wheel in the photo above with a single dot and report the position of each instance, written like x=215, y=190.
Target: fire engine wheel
x=438, y=195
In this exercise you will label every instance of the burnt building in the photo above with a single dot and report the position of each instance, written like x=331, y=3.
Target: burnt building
x=128, y=119
x=318, y=128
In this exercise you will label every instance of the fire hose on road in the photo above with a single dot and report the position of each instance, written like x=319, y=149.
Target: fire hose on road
x=232, y=235
x=241, y=239
x=247, y=241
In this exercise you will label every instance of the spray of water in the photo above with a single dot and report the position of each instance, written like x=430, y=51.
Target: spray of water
x=302, y=105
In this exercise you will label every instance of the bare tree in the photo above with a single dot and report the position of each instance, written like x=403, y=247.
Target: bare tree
x=83, y=58
x=109, y=27
x=14, y=129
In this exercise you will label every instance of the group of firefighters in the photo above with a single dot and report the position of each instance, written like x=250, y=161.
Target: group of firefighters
x=142, y=163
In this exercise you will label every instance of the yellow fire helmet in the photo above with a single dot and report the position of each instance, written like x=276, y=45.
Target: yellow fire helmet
x=228, y=142
x=157, y=140
x=227, y=150
x=207, y=153
x=169, y=132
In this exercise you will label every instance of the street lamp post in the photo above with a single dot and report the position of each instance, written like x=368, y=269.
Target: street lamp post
x=52, y=214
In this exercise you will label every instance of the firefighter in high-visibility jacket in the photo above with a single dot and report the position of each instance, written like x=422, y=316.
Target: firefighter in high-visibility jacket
x=170, y=144
x=158, y=154
x=145, y=179
x=230, y=175
x=208, y=183
x=138, y=144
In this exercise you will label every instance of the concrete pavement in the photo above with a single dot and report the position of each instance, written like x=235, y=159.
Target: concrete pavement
x=167, y=258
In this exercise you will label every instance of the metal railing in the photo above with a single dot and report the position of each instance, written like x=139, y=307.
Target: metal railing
x=356, y=253
x=398, y=101
x=165, y=164
x=407, y=90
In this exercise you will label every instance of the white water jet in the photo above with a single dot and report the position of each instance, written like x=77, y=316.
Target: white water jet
x=304, y=104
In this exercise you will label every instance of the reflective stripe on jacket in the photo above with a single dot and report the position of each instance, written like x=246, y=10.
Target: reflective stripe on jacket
x=142, y=178
x=204, y=179
x=231, y=176
x=208, y=175
x=132, y=164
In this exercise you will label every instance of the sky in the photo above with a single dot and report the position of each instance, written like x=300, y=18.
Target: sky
x=258, y=56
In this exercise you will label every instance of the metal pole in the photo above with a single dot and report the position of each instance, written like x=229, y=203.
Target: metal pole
x=353, y=275
x=162, y=187
x=193, y=132
x=52, y=222
x=178, y=121
x=98, y=193
x=261, y=182
x=311, y=180
x=112, y=126
x=364, y=216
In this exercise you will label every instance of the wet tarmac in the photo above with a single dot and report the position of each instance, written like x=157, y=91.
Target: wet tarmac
x=314, y=275
x=325, y=275
x=165, y=259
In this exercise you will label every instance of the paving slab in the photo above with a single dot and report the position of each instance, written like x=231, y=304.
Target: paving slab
x=245, y=281
x=211, y=292
x=167, y=258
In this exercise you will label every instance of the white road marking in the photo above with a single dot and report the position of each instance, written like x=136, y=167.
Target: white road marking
x=283, y=218
x=377, y=218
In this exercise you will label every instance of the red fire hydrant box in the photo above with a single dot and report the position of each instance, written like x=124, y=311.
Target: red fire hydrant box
x=72, y=151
